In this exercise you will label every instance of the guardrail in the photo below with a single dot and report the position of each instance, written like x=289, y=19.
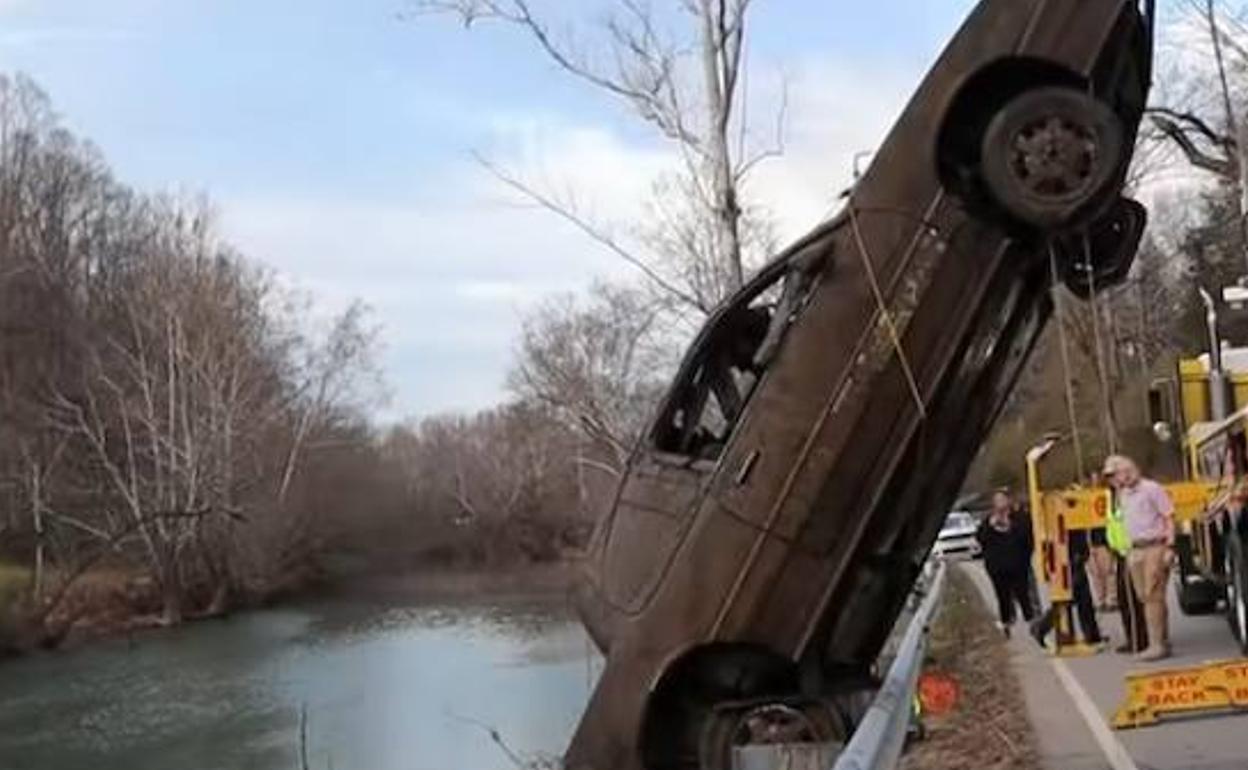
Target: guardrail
x=881, y=735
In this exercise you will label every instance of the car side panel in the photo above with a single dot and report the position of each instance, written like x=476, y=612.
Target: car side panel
x=656, y=506
x=932, y=471
x=1073, y=32
x=675, y=622
x=868, y=448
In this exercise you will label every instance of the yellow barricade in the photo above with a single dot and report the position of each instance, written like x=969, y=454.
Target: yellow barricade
x=1191, y=498
x=1210, y=687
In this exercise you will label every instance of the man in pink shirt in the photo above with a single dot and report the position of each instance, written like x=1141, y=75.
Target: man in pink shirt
x=1148, y=514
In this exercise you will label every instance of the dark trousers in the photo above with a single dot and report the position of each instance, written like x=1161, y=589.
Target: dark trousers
x=1131, y=609
x=1033, y=588
x=1011, y=587
x=1085, y=607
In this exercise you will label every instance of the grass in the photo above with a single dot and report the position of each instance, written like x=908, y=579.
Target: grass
x=988, y=728
x=14, y=581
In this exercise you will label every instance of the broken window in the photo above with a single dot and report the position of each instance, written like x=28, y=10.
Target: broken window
x=730, y=358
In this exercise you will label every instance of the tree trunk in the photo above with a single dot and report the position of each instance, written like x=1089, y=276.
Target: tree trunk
x=717, y=67
x=220, y=603
x=36, y=505
x=170, y=594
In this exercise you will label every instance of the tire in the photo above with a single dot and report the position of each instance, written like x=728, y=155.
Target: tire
x=1198, y=596
x=1049, y=154
x=1113, y=240
x=801, y=722
x=1237, y=591
x=684, y=708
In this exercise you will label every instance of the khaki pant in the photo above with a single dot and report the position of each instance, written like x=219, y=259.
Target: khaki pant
x=1101, y=568
x=1150, y=572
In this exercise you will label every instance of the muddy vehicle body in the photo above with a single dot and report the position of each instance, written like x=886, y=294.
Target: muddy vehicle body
x=779, y=508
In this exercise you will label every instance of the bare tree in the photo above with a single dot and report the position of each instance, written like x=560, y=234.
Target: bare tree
x=1202, y=122
x=158, y=407
x=330, y=374
x=492, y=486
x=598, y=365
x=692, y=89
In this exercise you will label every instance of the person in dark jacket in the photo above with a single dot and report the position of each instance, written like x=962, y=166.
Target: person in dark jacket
x=1005, y=539
x=1080, y=551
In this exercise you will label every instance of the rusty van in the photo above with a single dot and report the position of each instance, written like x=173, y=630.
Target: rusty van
x=778, y=509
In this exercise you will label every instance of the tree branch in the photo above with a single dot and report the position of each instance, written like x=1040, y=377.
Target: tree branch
x=593, y=231
x=1224, y=167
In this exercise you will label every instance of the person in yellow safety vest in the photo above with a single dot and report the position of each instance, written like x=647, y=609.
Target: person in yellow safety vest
x=1148, y=513
x=1129, y=607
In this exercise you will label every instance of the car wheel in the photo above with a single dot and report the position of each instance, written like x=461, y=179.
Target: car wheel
x=1049, y=153
x=1112, y=241
x=688, y=706
x=1197, y=596
x=766, y=723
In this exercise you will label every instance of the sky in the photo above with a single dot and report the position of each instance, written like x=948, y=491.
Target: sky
x=337, y=140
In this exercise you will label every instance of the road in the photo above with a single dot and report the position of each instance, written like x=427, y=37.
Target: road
x=1071, y=701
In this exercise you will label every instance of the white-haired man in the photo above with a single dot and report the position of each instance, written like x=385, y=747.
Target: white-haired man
x=1149, y=516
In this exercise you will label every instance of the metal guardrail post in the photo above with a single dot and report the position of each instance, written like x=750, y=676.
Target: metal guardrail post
x=880, y=737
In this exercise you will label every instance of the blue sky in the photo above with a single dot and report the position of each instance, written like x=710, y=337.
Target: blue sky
x=336, y=140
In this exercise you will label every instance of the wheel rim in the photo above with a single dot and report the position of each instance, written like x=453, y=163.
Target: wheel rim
x=768, y=724
x=1235, y=600
x=1054, y=158
x=774, y=723
x=1241, y=613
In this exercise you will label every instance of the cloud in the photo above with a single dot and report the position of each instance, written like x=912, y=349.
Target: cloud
x=448, y=275
x=45, y=36
x=451, y=272
x=838, y=109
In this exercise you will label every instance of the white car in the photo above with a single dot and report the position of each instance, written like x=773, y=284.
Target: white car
x=957, y=537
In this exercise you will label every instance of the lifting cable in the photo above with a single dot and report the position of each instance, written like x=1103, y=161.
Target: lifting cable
x=1109, y=420
x=889, y=323
x=1067, y=380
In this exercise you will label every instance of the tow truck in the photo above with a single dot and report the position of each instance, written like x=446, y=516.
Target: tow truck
x=777, y=510
x=1205, y=404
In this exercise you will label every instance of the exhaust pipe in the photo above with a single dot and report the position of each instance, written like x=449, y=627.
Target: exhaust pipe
x=1219, y=391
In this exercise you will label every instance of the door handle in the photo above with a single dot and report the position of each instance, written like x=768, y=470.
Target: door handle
x=746, y=467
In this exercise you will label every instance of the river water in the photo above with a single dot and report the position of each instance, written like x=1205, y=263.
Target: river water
x=384, y=688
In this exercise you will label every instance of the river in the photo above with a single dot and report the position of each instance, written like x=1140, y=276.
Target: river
x=384, y=688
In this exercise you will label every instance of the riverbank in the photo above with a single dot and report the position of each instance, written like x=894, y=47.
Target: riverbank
x=111, y=603
x=985, y=726
x=450, y=584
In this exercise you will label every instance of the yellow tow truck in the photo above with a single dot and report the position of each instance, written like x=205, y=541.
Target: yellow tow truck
x=1201, y=411
x=1207, y=400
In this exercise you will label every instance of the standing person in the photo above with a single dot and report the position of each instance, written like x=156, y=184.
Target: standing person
x=1130, y=608
x=1005, y=540
x=1080, y=594
x=1149, y=517
x=1101, y=568
x=1022, y=514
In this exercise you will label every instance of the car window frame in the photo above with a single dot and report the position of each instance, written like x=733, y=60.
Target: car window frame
x=801, y=262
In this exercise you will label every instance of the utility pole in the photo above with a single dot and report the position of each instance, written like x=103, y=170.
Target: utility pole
x=1233, y=128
